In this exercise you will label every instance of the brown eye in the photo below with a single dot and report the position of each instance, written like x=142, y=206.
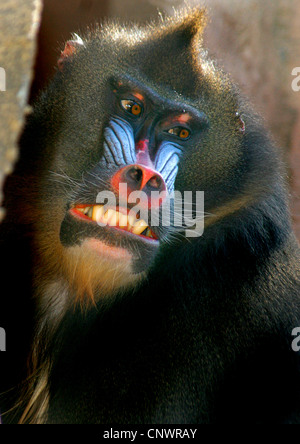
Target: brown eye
x=178, y=131
x=136, y=109
x=184, y=134
x=132, y=107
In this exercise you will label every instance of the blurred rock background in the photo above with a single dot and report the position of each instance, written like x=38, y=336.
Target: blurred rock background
x=257, y=41
x=19, y=24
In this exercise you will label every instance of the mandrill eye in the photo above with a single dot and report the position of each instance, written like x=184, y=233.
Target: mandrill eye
x=131, y=107
x=178, y=131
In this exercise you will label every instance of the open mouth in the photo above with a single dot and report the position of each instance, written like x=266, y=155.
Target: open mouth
x=119, y=218
x=114, y=234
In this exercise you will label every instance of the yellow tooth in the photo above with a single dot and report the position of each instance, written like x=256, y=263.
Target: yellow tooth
x=90, y=212
x=105, y=217
x=112, y=218
x=98, y=211
x=139, y=227
x=123, y=220
x=86, y=210
x=148, y=233
x=117, y=218
x=131, y=221
x=80, y=209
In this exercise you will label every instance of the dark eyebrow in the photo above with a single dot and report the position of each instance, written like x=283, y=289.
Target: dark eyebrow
x=126, y=82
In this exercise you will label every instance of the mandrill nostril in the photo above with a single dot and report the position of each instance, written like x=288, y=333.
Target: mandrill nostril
x=140, y=178
x=155, y=182
x=135, y=174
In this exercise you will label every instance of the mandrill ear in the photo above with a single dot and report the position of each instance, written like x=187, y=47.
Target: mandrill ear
x=187, y=27
x=176, y=43
x=191, y=23
x=70, y=49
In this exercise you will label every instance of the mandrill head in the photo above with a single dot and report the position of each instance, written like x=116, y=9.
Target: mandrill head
x=133, y=116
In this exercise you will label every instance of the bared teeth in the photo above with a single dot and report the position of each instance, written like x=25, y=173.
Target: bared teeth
x=112, y=218
x=123, y=220
x=89, y=212
x=98, y=212
x=104, y=218
x=148, y=233
x=131, y=222
x=139, y=227
x=116, y=219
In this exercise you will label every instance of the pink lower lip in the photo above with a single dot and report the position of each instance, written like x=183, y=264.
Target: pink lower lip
x=107, y=251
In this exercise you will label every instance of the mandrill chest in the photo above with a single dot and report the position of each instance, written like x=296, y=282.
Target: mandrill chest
x=135, y=366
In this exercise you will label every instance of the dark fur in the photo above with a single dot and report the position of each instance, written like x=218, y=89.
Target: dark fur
x=206, y=338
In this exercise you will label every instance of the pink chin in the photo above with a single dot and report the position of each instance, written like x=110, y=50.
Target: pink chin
x=106, y=251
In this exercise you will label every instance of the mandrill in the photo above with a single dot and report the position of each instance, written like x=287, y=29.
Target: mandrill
x=111, y=315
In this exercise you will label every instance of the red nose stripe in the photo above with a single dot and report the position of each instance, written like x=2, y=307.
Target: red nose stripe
x=142, y=154
x=142, y=145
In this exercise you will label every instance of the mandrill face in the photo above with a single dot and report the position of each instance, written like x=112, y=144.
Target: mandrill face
x=118, y=210
x=112, y=224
